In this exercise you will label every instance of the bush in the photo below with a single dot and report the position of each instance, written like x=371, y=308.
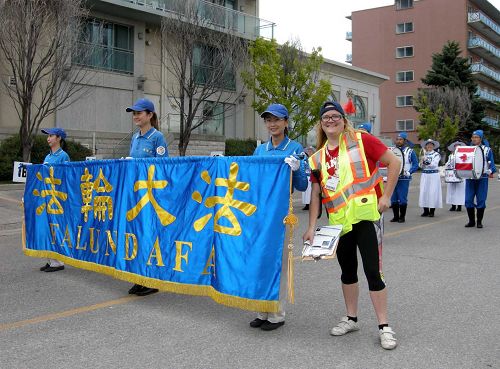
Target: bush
x=239, y=147
x=10, y=151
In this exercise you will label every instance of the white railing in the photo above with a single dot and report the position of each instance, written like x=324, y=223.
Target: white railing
x=348, y=36
x=348, y=58
x=477, y=41
x=481, y=68
x=218, y=16
x=478, y=16
x=493, y=122
x=487, y=96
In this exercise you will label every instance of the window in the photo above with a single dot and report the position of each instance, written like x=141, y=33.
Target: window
x=214, y=119
x=404, y=27
x=207, y=62
x=406, y=100
x=335, y=95
x=404, y=76
x=360, y=104
x=404, y=4
x=404, y=52
x=405, y=125
x=107, y=46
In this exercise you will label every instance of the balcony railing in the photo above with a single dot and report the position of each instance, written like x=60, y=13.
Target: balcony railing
x=348, y=58
x=348, y=36
x=493, y=122
x=479, y=42
x=483, y=69
x=104, y=58
x=480, y=17
x=218, y=16
x=487, y=96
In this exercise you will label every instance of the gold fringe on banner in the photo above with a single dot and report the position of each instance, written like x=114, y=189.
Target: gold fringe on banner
x=291, y=221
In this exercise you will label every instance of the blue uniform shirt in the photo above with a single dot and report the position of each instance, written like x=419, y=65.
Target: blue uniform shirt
x=286, y=147
x=60, y=156
x=149, y=145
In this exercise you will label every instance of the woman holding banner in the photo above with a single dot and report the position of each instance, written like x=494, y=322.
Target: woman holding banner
x=276, y=120
x=55, y=139
x=345, y=172
x=147, y=142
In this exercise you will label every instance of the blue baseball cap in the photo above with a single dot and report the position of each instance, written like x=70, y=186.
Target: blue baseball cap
x=403, y=135
x=366, y=126
x=141, y=105
x=55, y=131
x=331, y=105
x=278, y=110
x=478, y=132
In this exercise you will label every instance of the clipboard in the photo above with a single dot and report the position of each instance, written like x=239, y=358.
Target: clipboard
x=324, y=245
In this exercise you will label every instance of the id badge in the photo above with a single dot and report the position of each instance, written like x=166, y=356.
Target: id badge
x=332, y=183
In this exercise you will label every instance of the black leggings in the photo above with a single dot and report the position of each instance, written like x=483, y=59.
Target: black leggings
x=364, y=235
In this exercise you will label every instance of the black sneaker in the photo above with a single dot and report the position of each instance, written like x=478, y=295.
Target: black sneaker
x=54, y=269
x=135, y=288
x=146, y=291
x=268, y=326
x=257, y=323
x=42, y=269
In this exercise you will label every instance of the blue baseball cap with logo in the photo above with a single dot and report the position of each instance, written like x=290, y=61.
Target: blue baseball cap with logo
x=142, y=105
x=403, y=135
x=278, y=110
x=55, y=131
x=366, y=126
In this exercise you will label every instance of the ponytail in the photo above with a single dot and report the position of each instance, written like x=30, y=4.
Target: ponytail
x=63, y=144
x=154, y=121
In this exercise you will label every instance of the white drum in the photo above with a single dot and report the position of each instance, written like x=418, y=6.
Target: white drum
x=399, y=154
x=450, y=176
x=469, y=162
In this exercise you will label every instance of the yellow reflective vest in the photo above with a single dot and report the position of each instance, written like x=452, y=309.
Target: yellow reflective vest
x=354, y=198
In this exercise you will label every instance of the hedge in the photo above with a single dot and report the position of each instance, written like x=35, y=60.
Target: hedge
x=239, y=147
x=10, y=151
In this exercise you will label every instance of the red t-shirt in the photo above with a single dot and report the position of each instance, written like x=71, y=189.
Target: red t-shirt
x=374, y=149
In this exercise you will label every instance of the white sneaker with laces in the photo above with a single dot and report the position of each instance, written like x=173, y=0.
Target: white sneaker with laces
x=388, y=338
x=344, y=326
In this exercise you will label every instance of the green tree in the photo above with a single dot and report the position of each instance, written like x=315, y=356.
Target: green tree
x=437, y=124
x=450, y=69
x=287, y=75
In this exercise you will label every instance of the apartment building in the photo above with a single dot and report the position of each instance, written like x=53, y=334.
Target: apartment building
x=126, y=64
x=398, y=41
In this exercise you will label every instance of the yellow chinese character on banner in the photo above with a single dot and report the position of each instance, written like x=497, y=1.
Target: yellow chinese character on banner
x=53, y=206
x=165, y=217
x=227, y=202
x=102, y=204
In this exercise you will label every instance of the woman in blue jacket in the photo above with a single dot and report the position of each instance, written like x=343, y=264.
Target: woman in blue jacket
x=276, y=120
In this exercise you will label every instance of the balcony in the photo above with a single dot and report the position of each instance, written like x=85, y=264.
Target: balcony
x=348, y=58
x=487, y=96
x=348, y=36
x=492, y=122
x=484, y=49
x=218, y=17
x=485, y=74
x=484, y=25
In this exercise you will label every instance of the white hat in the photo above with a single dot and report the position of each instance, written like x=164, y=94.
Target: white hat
x=430, y=140
x=451, y=147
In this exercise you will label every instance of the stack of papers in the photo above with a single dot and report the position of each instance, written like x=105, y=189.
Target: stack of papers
x=324, y=245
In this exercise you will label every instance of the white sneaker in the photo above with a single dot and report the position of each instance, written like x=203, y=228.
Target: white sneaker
x=344, y=326
x=388, y=338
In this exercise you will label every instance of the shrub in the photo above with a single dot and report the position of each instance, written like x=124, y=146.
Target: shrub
x=239, y=147
x=10, y=151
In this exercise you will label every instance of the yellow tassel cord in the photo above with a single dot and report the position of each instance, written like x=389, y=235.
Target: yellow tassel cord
x=291, y=221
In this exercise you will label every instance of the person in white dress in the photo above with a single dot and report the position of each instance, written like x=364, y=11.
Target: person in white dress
x=455, y=191
x=431, y=196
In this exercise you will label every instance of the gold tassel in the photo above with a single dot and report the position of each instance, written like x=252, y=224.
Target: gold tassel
x=291, y=221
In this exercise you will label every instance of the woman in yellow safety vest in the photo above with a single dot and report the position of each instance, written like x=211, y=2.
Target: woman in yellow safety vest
x=345, y=172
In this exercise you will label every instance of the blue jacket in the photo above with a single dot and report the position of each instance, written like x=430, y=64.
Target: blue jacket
x=286, y=147
x=60, y=156
x=151, y=144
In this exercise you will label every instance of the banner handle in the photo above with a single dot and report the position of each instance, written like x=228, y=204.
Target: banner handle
x=291, y=221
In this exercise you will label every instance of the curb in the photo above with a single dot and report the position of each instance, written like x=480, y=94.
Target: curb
x=11, y=186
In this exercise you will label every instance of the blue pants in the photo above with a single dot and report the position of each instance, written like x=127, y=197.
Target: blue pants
x=400, y=194
x=476, y=188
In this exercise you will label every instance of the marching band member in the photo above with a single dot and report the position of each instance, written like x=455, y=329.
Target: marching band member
x=147, y=142
x=399, y=199
x=345, y=172
x=56, y=140
x=366, y=127
x=431, y=196
x=455, y=192
x=276, y=120
x=478, y=188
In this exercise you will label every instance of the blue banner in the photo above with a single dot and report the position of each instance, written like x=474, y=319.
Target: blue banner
x=201, y=226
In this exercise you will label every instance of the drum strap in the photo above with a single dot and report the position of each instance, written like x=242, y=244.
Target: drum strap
x=426, y=171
